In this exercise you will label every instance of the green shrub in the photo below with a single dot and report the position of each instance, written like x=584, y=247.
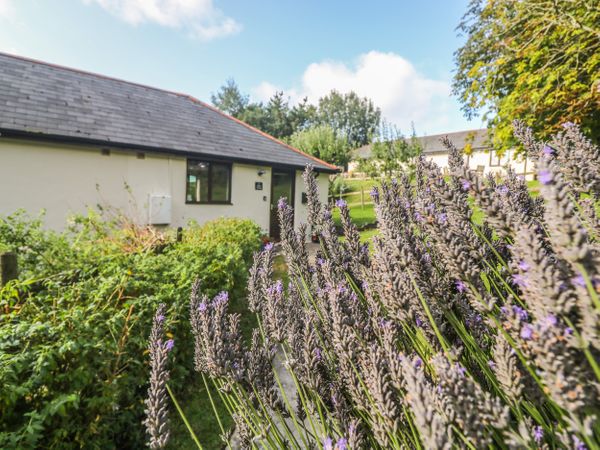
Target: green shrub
x=74, y=326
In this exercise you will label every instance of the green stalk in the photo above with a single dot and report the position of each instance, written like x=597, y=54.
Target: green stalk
x=441, y=339
x=187, y=424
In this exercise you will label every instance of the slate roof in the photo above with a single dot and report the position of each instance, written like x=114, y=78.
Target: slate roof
x=432, y=143
x=45, y=101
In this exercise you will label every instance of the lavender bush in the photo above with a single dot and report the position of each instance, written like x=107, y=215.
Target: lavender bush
x=448, y=334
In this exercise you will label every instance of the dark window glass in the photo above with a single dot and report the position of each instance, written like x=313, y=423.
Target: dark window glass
x=208, y=182
x=220, y=182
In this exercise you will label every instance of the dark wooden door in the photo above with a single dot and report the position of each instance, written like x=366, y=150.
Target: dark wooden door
x=282, y=185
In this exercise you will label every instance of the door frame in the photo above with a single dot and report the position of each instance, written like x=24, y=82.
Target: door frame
x=291, y=201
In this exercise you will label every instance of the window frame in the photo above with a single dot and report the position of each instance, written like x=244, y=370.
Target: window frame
x=497, y=158
x=210, y=163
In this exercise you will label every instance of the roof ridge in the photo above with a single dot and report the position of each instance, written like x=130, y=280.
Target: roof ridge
x=186, y=96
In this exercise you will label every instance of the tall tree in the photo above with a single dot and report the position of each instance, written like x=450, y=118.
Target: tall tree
x=278, y=116
x=536, y=60
x=356, y=118
x=229, y=99
x=323, y=142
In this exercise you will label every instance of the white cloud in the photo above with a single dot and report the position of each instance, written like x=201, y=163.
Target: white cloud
x=7, y=9
x=199, y=17
x=391, y=81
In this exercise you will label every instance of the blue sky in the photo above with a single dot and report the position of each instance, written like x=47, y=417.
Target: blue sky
x=399, y=53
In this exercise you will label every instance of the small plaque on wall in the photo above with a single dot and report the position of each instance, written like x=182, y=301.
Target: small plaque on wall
x=304, y=198
x=258, y=186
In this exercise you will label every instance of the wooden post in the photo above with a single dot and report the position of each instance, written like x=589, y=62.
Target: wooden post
x=8, y=267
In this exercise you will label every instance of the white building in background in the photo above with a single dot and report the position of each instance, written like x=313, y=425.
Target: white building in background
x=72, y=140
x=479, y=155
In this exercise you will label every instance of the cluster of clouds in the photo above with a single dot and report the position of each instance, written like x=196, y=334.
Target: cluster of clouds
x=200, y=18
x=404, y=95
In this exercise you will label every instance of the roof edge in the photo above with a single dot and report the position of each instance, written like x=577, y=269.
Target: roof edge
x=189, y=97
x=278, y=141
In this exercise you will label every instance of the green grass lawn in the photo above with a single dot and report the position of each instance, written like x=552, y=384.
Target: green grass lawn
x=359, y=215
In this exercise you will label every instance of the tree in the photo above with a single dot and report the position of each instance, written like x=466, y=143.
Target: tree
x=356, y=118
x=323, y=142
x=349, y=115
x=277, y=113
x=229, y=99
x=391, y=153
x=534, y=60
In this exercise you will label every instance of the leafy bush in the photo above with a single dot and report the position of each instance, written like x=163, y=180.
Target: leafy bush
x=451, y=334
x=74, y=327
x=338, y=186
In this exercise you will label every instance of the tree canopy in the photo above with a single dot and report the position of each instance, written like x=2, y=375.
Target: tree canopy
x=323, y=142
x=337, y=118
x=534, y=60
x=354, y=117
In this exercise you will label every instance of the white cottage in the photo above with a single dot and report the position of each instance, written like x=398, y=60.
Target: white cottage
x=70, y=140
x=479, y=154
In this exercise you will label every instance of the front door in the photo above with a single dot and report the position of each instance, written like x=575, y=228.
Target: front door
x=282, y=185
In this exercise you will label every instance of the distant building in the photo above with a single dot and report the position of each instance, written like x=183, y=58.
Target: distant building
x=479, y=155
x=71, y=140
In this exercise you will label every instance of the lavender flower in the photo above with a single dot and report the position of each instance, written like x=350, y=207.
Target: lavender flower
x=502, y=189
x=341, y=203
x=527, y=332
x=341, y=444
x=351, y=320
x=578, y=443
x=156, y=421
x=519, y=280
x=547, y=151
x=460, y=286
x=545, y=176
x=579, y=280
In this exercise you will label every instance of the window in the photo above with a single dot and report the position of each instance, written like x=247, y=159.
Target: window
x=208, y=182
x=495, y=159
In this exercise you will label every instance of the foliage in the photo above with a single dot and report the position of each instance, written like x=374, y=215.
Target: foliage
x=74, y=326
x=338, y=186
x=352, y=118
x=537, y=60
x=391, y=153
x=452, y=333
x=323, y=142
x=229, y=99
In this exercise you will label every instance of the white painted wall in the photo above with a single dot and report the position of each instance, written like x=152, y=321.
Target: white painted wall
x=481, y=159
x=300, y=210
x=65, y=179
x=477, y=158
